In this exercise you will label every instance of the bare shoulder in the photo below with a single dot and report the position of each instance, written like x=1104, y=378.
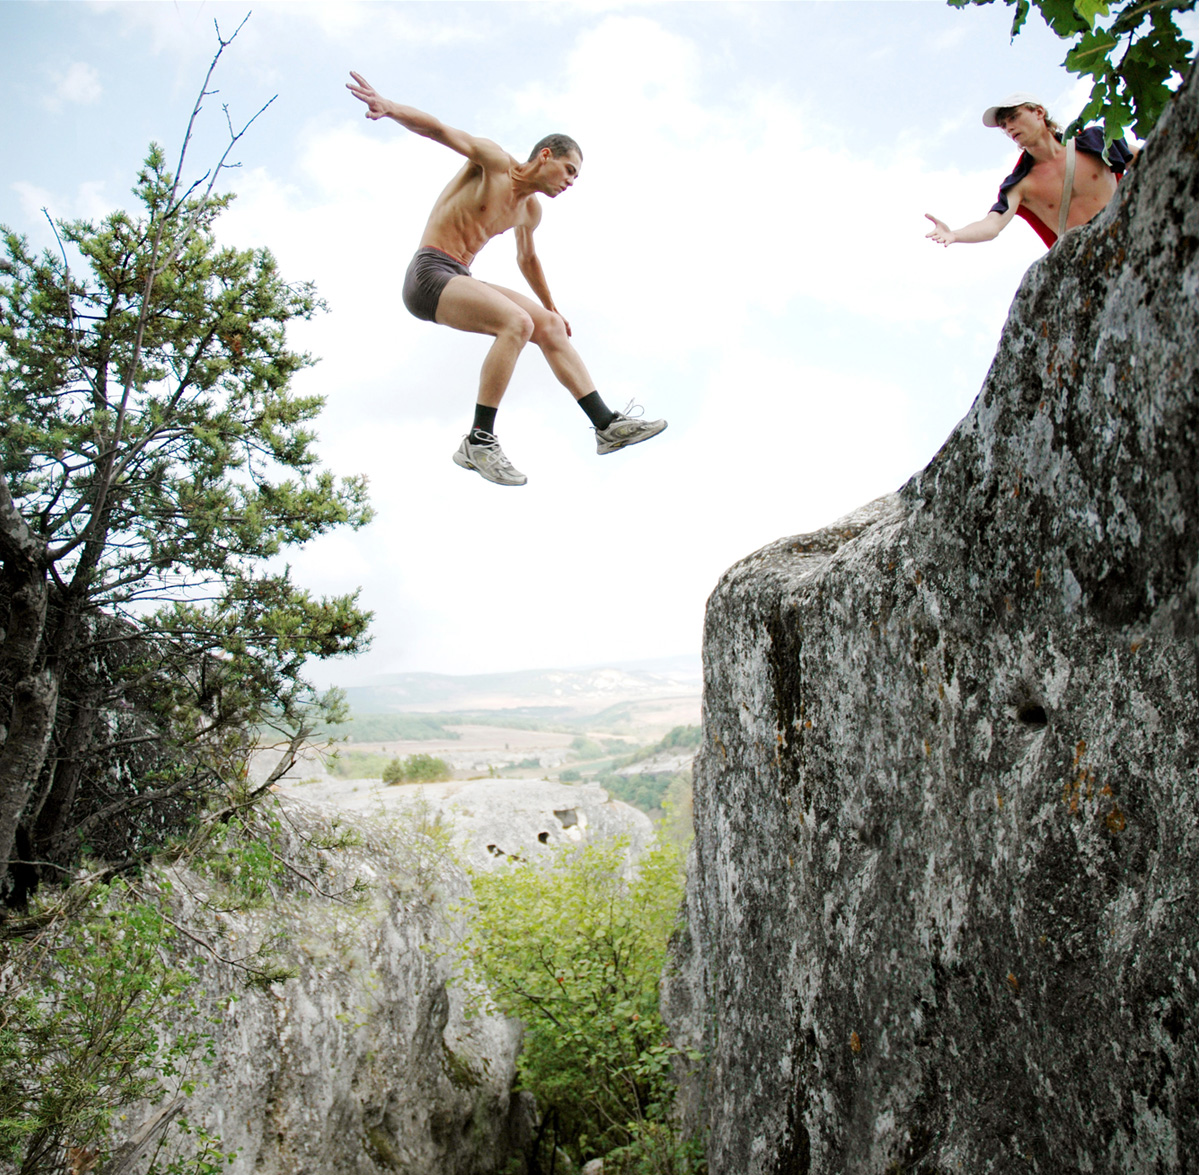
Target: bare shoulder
x=530, y=215
x=491, y=155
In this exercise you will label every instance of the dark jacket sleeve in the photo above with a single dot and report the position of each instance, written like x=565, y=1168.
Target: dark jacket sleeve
x=1091, y=140
x=1023, y=168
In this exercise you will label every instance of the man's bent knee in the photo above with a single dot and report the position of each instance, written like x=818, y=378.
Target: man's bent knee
x=519, y=326
x=550, y=331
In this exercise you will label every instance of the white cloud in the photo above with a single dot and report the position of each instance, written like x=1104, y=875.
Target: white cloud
x=77, y=85
x=88, y=202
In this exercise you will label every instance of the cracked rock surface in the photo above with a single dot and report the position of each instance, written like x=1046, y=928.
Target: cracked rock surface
x=942, y=907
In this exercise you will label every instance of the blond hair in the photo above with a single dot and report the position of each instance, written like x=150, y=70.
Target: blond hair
x=1006, y=112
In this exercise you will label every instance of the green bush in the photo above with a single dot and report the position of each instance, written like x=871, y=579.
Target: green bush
x=574, y=947
x=586, y=748
x=680, y=736
x=80, y=1030
x=642, y=791
x=417, y=769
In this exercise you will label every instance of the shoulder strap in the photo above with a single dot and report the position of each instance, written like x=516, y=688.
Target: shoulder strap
x=1068, y=184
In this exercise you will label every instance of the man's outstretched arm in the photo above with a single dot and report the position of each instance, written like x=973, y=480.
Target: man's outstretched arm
x=482, y=151
x=987, y=229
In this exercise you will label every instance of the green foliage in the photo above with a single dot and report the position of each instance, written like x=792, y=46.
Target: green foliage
x=96, y=989
x=1134, y=90
x=681, y=737
x=417, y=769
x=574, y=947
x=586, y=748
x=645, y=792
x=80, y=1027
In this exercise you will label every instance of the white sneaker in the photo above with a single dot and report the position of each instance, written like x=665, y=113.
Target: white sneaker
x=625, y=430
x=488, y=460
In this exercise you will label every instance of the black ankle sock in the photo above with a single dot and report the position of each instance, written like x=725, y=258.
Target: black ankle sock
x=485, y=422
x=599, y=413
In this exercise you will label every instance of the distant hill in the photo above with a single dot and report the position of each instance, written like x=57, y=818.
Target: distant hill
x=547, y=693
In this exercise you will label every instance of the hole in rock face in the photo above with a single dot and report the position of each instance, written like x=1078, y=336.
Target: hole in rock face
x=566, y=817
x=1032, y=715
x=544, y=837
x=496, y=852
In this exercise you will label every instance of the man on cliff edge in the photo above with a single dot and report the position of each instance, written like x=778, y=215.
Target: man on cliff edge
x=492, y=193
x=1055, y=186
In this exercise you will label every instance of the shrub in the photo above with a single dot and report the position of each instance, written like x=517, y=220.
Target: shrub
x=586, y=748
x=83, y=1005
x=574, y=945
x=417, y=769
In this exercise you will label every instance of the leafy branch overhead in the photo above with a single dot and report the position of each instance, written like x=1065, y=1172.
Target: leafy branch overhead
x=1131, y=51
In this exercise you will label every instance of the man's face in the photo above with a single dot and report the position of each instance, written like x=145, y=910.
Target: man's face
x=558, y=173
x=1023, y=125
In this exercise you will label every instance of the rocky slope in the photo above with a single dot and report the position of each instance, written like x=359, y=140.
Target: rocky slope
x=363, y=1062
x=942, y=907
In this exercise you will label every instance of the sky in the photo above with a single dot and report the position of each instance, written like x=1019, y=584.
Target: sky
x=743, y=254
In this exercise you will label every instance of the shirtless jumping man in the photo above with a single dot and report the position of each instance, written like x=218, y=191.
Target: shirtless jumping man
x=1034, y=191
x=492, y=193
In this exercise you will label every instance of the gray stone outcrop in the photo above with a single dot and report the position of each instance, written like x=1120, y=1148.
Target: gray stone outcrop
x=364, y=1062
x=497, y=820
x=942, y=909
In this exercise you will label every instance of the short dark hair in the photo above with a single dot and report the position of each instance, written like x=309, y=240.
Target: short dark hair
x=559, y=145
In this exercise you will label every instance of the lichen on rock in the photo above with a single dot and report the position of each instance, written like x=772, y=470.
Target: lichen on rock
x=941, y=910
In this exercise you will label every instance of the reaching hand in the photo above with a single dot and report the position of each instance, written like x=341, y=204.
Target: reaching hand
x=365, y=92
x=942, y=233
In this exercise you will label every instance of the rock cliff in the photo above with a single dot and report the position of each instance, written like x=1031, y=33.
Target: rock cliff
x=942, y=905
x=364, y=1061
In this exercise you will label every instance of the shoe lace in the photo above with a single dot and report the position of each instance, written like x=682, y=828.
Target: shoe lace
x=493, y=455
x=631, y=411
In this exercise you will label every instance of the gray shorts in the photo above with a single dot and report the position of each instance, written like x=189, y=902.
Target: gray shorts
x=428, y=273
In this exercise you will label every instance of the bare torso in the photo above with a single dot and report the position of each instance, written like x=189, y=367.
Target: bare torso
x=1041, y=190
x=478, y=204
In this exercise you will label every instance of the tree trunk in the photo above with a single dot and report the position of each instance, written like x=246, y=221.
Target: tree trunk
x=24, y=673
x=35, y=702
x=48, y=817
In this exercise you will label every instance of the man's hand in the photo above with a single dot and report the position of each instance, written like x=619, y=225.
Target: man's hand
x=942, y=233
x=362, y=89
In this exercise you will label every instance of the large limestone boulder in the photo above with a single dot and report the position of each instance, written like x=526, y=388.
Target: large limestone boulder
x=942, y=908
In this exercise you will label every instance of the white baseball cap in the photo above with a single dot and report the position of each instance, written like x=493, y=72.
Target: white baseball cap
x=1018, y=99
